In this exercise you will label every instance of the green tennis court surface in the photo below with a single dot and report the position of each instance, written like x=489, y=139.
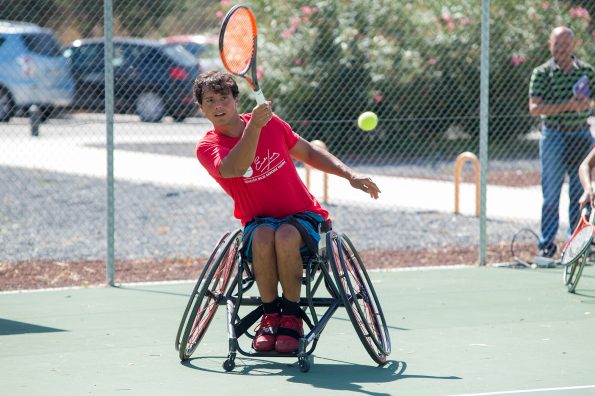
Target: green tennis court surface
x=454, y=331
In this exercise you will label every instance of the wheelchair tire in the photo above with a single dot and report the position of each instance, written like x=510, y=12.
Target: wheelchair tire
x=204, y=301
x=203, y=273
x=359, y=297
x=573, y=272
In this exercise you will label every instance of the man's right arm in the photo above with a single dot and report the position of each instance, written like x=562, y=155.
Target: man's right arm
x=537, y=107
x=576, y=104
x=241, y=156
x=584, y=174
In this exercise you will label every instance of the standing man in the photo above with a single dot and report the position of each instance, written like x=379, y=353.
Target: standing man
x=251, y=157
x=565, y=135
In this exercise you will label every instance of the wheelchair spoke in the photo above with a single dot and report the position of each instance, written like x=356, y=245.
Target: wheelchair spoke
x=359, y=297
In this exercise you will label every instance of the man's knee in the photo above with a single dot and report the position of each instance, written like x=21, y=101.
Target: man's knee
x=287, y=238
x=263, y=240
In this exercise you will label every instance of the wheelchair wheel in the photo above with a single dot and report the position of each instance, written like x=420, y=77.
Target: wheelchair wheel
x=359, y=297
x=573, y=272
x=210, y=287
x=203, y=273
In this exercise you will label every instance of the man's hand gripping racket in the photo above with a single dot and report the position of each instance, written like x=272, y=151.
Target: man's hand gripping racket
x=237, y=46
x=581, y=238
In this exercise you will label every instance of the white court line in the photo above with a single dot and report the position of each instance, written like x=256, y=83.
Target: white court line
x=512, y=392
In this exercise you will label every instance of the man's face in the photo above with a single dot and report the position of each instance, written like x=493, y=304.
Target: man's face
x=219, y=108
x=561, y=46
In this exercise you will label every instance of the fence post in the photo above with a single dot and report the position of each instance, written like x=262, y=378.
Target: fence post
x=109, y=126
x=484, y=114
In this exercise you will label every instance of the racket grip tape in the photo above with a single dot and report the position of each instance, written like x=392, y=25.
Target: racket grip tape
x=259, y=96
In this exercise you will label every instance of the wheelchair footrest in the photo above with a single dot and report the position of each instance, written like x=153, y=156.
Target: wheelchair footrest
x=254, y=353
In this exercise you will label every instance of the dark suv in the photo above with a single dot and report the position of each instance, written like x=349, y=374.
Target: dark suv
x=151, y=79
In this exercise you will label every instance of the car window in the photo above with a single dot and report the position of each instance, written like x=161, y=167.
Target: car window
x=194, y=48
x=85, y=55
x=180, y=55
x=42, y=44
x=118, y=59
x=135, y=54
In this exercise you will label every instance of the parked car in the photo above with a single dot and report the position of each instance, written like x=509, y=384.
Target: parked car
x=32, y=70
x=151, y=79
x=204, y=48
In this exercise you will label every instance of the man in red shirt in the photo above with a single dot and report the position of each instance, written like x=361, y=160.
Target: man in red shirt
x=250, y=156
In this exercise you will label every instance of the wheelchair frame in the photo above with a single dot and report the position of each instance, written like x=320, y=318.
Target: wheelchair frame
x=350, y=287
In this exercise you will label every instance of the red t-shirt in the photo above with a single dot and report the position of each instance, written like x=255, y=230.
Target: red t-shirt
x=271, y=186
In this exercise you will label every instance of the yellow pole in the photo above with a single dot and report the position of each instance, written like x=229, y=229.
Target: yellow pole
x=460, y=161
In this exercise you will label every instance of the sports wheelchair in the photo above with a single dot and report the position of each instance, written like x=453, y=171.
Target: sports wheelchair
x=348, y=286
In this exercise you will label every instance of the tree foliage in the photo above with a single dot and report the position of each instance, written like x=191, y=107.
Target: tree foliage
x=416, y=63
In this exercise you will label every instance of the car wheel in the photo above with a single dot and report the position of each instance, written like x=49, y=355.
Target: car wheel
x=150, y=107
x=6, y=105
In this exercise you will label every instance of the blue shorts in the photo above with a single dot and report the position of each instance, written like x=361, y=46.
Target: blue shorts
x=311, y=225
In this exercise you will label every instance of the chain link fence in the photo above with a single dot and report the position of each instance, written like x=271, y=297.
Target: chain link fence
x=416, y=64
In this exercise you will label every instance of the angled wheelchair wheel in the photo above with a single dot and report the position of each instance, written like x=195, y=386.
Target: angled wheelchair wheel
x=208, y=291
x=573, y=272
x=203, y=273
x=359, y=297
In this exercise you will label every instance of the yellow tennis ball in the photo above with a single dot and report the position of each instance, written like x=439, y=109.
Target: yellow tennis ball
x=367, y=121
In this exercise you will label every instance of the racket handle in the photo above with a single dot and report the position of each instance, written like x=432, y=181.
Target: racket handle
x=259, y=96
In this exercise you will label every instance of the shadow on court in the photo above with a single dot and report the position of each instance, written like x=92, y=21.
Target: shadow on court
x=11, y=327
x=329, y=374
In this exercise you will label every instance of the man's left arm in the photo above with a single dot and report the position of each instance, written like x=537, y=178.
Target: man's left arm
x=324, y=161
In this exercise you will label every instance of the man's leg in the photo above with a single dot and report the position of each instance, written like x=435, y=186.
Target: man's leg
x=265, y=271
x=288, y=242
x=289, y=266
x=552, y=176
x=264, y=263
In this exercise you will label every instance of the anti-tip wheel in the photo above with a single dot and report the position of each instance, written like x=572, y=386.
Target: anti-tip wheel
x=229, y=365
x=304, y=365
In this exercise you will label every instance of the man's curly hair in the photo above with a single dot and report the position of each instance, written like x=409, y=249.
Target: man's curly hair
x=219, y=82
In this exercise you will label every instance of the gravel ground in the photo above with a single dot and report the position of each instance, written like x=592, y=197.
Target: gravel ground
x=53, y=232
x=49, y=216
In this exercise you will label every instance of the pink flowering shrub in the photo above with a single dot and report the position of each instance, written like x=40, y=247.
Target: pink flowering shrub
x=416, y=64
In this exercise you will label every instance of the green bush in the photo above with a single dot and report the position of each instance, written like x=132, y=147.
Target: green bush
x=415, y=63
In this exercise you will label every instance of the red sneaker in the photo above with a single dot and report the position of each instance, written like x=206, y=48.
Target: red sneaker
x=266, y=333
x=291, y=329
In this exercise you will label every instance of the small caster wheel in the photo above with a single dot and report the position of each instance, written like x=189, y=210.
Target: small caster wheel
x=304, y=365
x=229, y=365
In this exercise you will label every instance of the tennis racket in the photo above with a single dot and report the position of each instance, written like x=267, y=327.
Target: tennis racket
x=237, y=46
x=576, y=250
x=580, y=239
x=524, y=248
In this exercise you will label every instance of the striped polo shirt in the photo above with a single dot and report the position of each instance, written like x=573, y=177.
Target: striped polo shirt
x=550, y=83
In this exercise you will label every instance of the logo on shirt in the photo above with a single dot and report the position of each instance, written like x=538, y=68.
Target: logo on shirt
x=263, y=167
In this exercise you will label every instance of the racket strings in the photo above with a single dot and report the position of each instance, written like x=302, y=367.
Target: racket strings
x=577, y=244
x=238, y=41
